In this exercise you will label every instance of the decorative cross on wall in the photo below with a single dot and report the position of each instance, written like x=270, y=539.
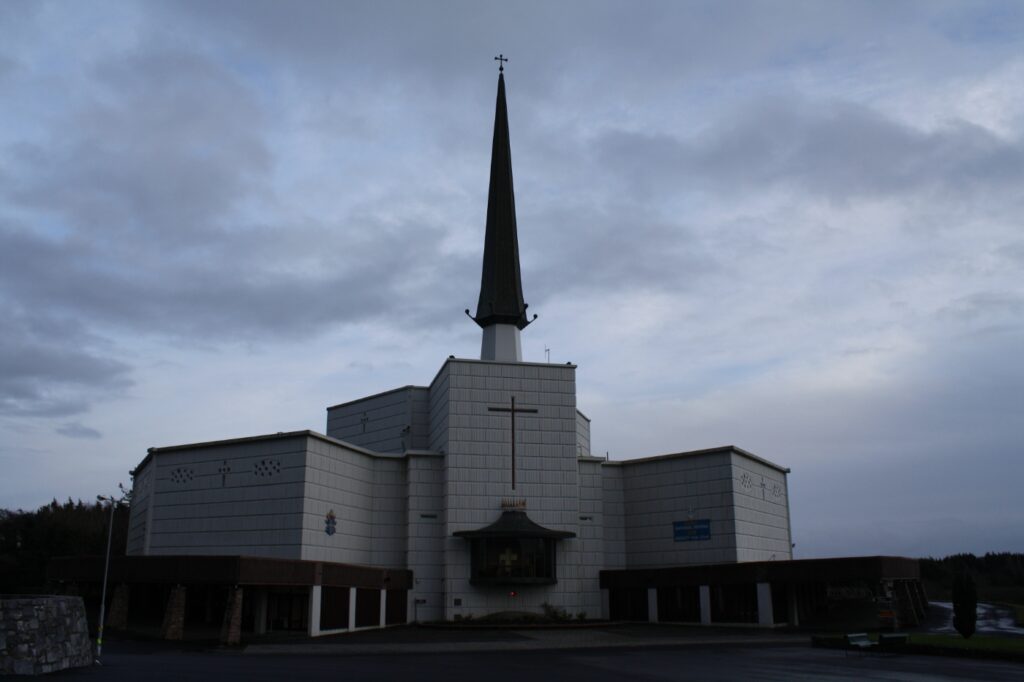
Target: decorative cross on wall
x=513, y=411
x=224, y=470
x=507, y=558
x=363, y=421
x=763, y=486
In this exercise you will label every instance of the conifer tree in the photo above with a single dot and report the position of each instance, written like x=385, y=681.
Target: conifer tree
x=965, y=603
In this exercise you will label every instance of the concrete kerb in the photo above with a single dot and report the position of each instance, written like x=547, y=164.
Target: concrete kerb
x=525, y=640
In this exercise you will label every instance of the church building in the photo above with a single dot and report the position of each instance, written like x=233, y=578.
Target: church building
x=475, y=495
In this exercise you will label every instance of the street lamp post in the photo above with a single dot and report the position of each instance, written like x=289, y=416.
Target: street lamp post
x=106, y=570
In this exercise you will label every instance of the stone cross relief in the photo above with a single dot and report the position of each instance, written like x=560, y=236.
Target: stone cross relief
x=224, y=470
x=513, y=411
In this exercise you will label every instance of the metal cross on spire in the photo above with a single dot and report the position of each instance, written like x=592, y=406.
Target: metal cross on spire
x=501, y=59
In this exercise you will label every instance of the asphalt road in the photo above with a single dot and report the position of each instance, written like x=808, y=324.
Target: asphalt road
x=128, y=661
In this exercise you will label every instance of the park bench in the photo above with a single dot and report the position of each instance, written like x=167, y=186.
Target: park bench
x=892, y=640
x=859, y=641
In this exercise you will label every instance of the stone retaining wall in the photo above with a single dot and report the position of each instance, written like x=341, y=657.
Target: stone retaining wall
x=42, y=634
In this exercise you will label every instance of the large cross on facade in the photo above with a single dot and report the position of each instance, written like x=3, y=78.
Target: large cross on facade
x=513, y=411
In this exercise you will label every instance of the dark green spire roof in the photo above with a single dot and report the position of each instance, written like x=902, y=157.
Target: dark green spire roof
x=501, y=286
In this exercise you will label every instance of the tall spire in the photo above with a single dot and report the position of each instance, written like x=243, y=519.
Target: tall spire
x=501, y=288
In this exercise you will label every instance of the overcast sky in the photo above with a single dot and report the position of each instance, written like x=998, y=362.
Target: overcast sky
x=794, y=227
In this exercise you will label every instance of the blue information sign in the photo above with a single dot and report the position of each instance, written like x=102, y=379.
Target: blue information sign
x=694, y=529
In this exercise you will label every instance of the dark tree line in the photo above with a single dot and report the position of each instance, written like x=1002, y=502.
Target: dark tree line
x=28, y=539
x=999, y=575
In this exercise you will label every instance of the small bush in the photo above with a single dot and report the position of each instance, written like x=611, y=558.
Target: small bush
x=554, y=613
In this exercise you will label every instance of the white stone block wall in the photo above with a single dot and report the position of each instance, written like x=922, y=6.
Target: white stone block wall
x=478, y=473
x=582, y=435
x=394, y=421
x=761, y=501
x=440, y=404
x=661, y=491
x=390, y=513
x=339, y=479
x=425, y=543
x=138, y=517
x=614, y=506
x=255, y=508
x=419, y=411
x=590, y=537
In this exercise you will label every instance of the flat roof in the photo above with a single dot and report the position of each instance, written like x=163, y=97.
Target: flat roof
x=225, y=570
x=452, y=358
x=791, y=570
x=280, y=435
x=696, y=453
x=407, y=387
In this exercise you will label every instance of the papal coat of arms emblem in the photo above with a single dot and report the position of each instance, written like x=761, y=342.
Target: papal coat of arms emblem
x=330, y=523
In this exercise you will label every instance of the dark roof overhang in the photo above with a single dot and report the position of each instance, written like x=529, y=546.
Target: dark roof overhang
x=514, y=524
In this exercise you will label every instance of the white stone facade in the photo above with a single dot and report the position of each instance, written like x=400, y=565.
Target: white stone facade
x=400, y=472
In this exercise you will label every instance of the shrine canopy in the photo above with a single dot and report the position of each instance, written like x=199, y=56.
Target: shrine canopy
x=514, y=550
x=515, y=524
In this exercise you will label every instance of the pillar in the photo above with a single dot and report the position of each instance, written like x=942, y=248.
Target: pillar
x=231, y=626
x=117, y=619
x=315, y=600
x=705, y=605
x=793, y=617
x=174, y=615
x=606, y=604
x=765, y=614
x=260, y=611
x=383, y=607
x=652, y=604
x=351, y=608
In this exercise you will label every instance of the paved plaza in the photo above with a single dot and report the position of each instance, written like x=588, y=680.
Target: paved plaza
x=591, y=654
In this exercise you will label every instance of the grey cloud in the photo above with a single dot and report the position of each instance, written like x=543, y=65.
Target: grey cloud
x=134, y=206
x=1013, y=252
x=990, y=306
x=592, y=44
x=239, y=293
x=937, y=439
x=50, y=367
x=164, y=146
x=611, y=248
x=838, y=150
x=7, y=66
x=78, y=430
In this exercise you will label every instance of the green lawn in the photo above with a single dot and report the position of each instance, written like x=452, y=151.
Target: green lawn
x=976, y=643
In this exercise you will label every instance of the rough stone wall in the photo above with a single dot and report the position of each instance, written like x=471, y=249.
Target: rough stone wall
x=42, y=634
